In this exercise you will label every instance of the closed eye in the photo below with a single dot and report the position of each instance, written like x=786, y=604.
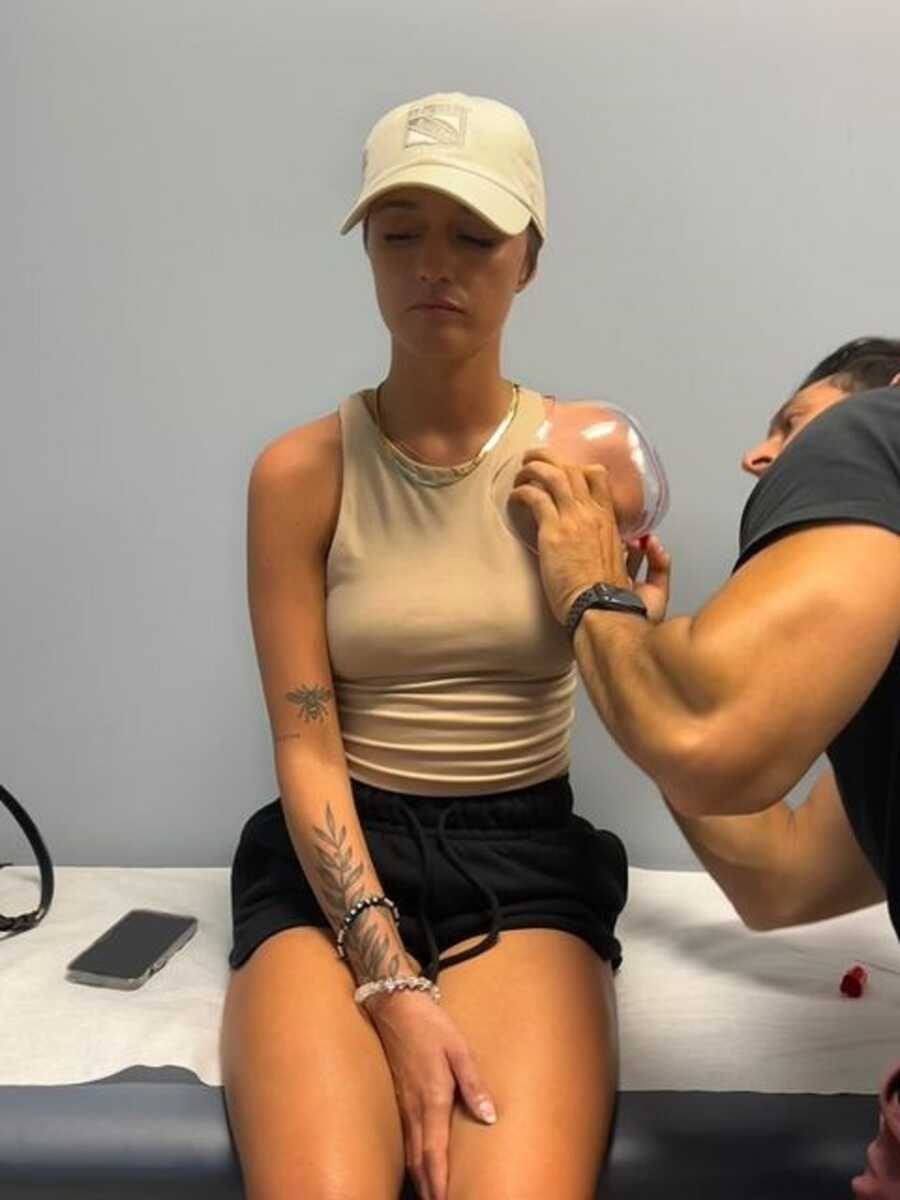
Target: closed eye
x=484, y=243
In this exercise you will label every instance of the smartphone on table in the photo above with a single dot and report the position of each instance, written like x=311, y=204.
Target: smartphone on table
x=132, y=949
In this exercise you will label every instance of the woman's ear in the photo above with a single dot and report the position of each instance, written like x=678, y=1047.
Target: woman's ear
x=528, y=272
x=895, y=382
x=533, y=244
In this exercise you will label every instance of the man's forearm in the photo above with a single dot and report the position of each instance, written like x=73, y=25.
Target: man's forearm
x=787, y=866
x=745, y=855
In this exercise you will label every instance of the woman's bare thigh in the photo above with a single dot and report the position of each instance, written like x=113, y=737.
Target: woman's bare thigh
x=308, y=1090
x=539, y=1012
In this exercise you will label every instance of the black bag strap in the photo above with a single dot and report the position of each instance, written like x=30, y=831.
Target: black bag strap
x=29, y=920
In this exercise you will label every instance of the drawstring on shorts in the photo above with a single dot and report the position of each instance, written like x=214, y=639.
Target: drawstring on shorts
x=435, y=962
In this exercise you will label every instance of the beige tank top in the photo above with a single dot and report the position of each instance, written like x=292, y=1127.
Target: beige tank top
x=451, y=674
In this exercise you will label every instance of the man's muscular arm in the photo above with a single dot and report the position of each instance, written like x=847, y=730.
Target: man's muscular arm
x=728, y=709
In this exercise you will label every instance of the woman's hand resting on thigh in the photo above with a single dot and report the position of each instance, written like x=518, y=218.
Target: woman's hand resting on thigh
x=429, y=1059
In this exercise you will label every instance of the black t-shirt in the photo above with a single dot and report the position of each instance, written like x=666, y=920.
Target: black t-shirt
x=845, y=467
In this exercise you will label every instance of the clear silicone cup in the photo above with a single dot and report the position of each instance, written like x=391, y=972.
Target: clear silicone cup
x=590, y=433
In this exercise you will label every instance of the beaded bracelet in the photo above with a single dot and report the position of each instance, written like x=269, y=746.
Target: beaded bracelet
x=397, y=983
x=359, y=907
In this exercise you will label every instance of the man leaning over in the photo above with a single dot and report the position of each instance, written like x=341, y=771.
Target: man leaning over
x=794, y=657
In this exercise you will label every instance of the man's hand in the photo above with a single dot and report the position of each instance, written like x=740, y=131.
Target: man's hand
x=654, y=591
x=579, y=542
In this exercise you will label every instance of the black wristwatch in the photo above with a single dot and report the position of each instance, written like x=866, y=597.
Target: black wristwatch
x=603, y=595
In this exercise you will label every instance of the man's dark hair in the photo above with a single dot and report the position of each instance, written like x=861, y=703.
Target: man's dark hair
x=864, y=363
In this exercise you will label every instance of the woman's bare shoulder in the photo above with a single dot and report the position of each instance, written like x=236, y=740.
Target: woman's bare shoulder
x=300, y=473
x=310, y=447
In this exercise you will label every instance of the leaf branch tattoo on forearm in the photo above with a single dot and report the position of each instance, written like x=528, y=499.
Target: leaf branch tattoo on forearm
x=341, y=889
x=312, y=705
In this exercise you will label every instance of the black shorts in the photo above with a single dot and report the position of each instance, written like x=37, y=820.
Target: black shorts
x=456, y=867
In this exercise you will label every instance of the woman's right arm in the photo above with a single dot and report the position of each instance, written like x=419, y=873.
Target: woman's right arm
x=290, y=518
x=294, y=497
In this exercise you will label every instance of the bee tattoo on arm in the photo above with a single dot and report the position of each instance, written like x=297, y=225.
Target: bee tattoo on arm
x=312, y=705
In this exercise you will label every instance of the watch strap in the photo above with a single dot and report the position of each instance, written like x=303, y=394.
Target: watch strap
x=603, y=595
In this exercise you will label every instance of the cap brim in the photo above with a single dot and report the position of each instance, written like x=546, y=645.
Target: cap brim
x=483, y=196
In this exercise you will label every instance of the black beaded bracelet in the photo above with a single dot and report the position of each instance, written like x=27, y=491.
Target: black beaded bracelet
x=360, y=907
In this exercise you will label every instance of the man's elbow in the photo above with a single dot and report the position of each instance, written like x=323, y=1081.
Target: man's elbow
x=763, y=909
x=716, y=774
x=762, y=919
x=708, y=791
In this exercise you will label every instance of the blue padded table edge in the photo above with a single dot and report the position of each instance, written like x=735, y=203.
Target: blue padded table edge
x=153, y=1133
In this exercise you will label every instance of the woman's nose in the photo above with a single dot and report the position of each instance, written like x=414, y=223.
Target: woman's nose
x=435, y=260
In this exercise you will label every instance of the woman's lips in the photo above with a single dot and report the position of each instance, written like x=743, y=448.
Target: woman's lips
x=435, y=307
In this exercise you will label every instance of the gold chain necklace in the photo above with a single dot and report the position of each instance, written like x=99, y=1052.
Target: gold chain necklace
x=454, y=473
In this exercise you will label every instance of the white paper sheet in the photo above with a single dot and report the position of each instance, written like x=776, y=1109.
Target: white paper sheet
x=703, y=1003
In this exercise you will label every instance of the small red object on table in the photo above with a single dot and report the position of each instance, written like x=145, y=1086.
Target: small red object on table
x=854, y=982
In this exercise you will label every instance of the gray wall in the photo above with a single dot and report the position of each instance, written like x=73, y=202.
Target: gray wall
x=724, y=191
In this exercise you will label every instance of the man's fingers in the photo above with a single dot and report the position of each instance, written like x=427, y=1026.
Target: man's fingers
x=634, y=558
x=598, y=481
x=550, y=478
x=659, y=562
x=534, y=495
x=475, y=1095
x=566, y=481
x=654, y=591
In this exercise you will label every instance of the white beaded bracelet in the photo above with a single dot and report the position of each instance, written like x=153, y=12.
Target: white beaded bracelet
x=396, y=983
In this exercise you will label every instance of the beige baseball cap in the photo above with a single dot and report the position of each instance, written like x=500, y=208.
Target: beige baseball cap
x=474, y=149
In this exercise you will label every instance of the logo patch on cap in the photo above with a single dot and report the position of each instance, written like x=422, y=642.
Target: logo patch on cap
x=436, y=124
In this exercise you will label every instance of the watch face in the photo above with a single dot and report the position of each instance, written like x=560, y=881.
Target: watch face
x=619, y=598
